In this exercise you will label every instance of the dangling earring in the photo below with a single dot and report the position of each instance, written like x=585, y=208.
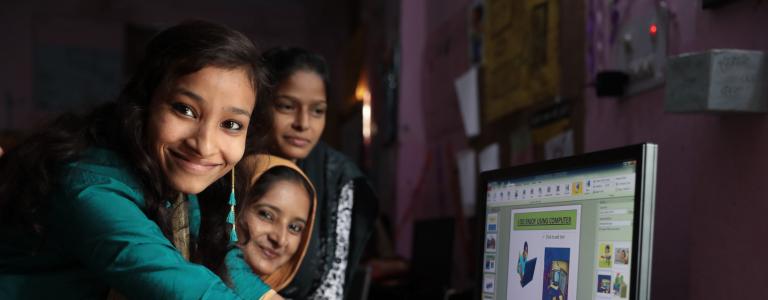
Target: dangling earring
x=231, y=215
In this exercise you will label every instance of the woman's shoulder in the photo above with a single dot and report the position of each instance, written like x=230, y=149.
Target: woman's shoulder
x=333, y=162
x=99, y=167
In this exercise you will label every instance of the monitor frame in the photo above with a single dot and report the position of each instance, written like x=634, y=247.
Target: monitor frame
x=644, y=154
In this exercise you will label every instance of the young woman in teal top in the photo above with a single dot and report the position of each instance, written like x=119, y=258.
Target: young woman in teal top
x=92, y=204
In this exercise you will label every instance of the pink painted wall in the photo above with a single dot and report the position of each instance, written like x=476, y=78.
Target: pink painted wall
x=709, y=206
x=434, y=53
x=412, y=147
x=710, y=203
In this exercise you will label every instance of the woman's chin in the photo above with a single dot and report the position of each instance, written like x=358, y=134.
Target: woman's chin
x=262, y=270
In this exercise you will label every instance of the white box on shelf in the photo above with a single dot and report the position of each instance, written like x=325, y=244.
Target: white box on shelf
x=718, y=80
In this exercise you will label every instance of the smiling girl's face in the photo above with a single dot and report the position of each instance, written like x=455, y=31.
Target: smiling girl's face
x=276, y=224
x=197, y=126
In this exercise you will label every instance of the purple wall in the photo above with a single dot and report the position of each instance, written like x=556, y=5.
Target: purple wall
x=708, y=235
x=412, y=149
x=709, y=207
x=434, y=53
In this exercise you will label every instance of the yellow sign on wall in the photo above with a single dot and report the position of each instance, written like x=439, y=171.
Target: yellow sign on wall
x=520, y=55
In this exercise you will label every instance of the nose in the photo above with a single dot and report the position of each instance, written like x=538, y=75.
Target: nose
x=202, y=140
x=301, y=120
x=277, y=236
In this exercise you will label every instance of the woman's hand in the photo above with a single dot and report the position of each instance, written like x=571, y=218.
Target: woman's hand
x=276, y=296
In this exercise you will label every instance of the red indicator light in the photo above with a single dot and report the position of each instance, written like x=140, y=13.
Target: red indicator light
x=653, y=29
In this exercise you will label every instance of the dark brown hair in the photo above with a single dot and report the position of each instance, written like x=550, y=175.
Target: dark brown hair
x=281, y=63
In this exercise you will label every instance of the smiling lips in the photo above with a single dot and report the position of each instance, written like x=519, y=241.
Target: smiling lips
x=268, y=252
x=191, y=165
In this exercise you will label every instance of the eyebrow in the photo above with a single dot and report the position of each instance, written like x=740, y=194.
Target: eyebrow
x=239, y=111
x=199, y=98
x=294, y=99
x=279, y=211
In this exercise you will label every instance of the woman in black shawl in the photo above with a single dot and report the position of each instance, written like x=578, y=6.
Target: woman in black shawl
x=347, y=207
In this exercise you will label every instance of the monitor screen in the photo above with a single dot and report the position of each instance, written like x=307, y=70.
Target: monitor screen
x=572, y=228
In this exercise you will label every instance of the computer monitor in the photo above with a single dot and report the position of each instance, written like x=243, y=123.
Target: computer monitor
x=579, y=227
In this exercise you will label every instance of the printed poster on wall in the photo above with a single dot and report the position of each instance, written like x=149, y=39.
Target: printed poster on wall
x=519, y=55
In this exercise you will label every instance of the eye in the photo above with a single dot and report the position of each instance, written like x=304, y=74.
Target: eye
x=285, y=107
x=232, y=125
x=266, y=215
x=318, y=111
x=183, y=109
x=296, y=228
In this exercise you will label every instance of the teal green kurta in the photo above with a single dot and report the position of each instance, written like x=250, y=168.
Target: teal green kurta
x=98, y=237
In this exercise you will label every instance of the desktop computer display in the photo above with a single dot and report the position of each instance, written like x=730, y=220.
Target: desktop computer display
x=572, y=228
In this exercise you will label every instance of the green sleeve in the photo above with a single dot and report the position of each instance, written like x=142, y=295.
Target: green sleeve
x=244, y=281
x=96, y=219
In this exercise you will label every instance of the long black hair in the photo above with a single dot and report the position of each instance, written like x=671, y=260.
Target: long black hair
x=29, y=172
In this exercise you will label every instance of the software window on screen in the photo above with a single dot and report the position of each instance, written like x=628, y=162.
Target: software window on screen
x=566, y=235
